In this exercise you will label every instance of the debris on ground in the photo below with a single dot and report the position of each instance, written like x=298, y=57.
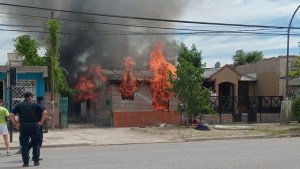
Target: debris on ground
x=202, y=126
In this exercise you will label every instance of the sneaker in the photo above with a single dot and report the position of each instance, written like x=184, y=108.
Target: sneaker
x=26, y=165
x=36, y=163
x=8, y=153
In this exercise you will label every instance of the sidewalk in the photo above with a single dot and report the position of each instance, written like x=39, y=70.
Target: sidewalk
x=87, y=136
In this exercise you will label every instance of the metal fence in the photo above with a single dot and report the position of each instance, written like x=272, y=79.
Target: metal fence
x=251, y=105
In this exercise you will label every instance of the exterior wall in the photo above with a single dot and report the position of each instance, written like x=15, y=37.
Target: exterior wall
x=226, y=74
x=37, y=77
x=215, y=119
x=267, y=84
x=146, y=118
x=142, y=100
x=268, y=73
x=57, y=113
x=263, y=66
x=268, y=118
x=227, y=118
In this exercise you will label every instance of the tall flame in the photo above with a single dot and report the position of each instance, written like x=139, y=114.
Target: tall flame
x=160, y=81
x=89, y=85
x=129, y=83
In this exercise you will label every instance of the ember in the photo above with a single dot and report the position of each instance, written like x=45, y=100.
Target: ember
x=160, y=81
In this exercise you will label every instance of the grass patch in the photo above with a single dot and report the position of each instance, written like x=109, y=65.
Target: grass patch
x=295, y=130
x=273, y=132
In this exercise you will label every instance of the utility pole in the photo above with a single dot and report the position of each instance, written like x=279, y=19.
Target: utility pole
x=285, y=113
x=52, y=78
x=11, y=81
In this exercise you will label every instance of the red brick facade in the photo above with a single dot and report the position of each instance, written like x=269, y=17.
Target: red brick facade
x=146, y=118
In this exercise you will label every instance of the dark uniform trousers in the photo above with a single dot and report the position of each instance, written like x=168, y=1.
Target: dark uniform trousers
x=41, y=135
x=30, y=130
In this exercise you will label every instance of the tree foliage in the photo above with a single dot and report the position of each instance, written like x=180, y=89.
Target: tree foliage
x=27, y=47
x=187, y=85
x=296, y=108
x=241, y=58
x=295, y=72
x=61, y=86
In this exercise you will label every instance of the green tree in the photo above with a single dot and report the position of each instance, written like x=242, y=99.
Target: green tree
x=27, y=47
x=54, y=27
x=295, y=68
x=241, y=58
x=187, y=84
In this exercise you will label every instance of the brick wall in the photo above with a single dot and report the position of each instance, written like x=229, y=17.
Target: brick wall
x=56, y=109
x=145, y=118
x=215, y=119
x=269, y=118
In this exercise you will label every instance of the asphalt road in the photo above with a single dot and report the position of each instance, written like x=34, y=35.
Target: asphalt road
x=275, y=153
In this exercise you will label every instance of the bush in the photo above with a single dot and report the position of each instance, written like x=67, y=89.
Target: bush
x=296, y=108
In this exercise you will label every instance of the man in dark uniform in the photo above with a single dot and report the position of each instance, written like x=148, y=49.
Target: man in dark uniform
x=29, y=123
x=39, y=100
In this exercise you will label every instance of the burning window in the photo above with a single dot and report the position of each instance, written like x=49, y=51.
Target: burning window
x=129, y=84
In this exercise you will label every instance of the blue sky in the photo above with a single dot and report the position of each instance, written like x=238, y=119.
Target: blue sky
x=253, y=12
x=220, y=48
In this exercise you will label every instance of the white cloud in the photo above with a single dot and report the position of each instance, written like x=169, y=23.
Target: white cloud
x=260, y=12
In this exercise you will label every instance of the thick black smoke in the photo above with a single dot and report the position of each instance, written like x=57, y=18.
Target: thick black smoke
x=77, y=51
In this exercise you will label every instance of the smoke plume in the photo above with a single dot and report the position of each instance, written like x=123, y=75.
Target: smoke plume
x=78, y=50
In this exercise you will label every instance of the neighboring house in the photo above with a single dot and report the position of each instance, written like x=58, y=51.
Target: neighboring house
x=254, y=88
x=29, y=79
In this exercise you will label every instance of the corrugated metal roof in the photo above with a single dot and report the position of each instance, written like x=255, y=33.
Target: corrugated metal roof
x=249, y=77
x=210, y=71
x=140, y=75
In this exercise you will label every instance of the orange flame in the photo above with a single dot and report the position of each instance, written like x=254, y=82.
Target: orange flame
x=89, y=84
x=129, y=83
x=160, y=81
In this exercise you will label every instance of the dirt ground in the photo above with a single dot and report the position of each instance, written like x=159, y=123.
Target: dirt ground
x=183, y=132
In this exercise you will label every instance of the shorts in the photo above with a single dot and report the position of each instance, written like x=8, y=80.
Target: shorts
x=3, y=129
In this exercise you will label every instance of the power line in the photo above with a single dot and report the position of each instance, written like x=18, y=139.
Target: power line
x=203, y=33
x=198, y=31
x=146, y=18
x=129, y=25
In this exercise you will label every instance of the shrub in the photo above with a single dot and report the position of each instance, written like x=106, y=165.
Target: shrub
x=296, y=108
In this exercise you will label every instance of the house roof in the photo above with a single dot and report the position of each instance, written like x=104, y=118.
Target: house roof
x=27, y=69
x=118, y=74
x=211, y=71
x=249, y=77
x=208, y=72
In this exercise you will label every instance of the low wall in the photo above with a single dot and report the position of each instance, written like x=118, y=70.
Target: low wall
x=268, y=118
x=227, y=118
x=146, y=118
x=215, y=119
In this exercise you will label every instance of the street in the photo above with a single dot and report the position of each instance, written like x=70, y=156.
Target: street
x=224, y=154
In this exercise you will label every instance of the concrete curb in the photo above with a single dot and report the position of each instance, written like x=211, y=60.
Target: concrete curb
x=238, y=137
x=175, y=141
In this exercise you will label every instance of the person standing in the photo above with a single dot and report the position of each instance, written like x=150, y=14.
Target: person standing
x=29, y=123
x=39, y=100
x=3, y=126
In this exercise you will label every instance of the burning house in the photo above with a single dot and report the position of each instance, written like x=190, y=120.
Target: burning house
x=129, y=97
